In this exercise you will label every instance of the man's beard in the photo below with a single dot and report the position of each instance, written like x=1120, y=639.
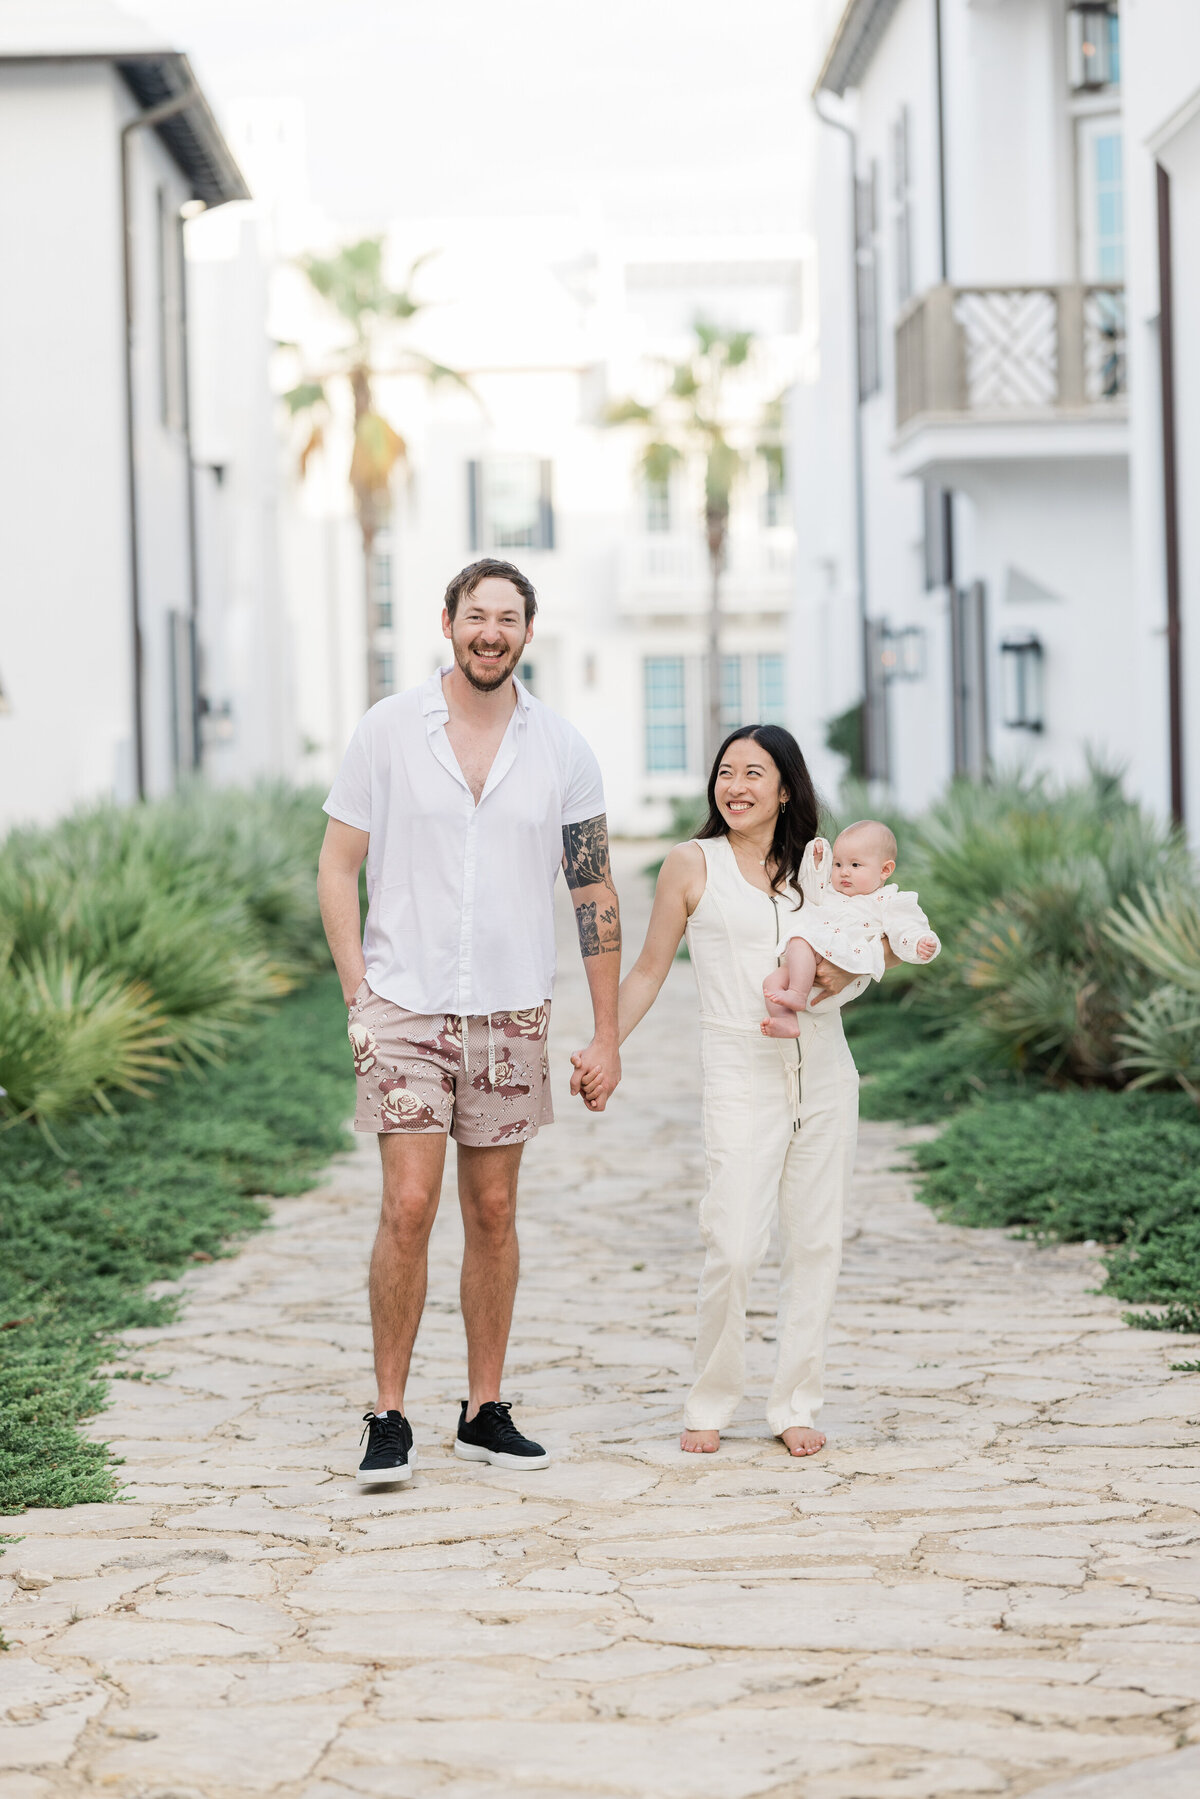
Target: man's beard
x=498, y=672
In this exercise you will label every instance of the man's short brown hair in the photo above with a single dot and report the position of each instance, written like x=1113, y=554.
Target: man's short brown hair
x=489, y=568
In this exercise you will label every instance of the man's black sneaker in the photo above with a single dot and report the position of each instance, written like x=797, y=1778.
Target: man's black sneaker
x=491, y=1436
x=390, y=1454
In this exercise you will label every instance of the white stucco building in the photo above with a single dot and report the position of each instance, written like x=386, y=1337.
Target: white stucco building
x=138, y=582
x=1160, y=47
x=970, y=214
x=551, y=321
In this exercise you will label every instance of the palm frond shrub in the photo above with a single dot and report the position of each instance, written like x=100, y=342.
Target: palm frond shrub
x=202, y=907
x=1161, y=930
x=70, y=1034
x=1021, y=882
x=1161, y=1041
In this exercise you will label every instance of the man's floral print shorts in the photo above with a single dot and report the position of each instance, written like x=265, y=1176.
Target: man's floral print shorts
x=484, y=1080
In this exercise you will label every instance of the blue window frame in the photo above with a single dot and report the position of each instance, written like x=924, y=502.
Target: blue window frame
x=665, y=691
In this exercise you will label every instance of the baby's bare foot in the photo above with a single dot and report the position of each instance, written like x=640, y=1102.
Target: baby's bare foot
x=700, y=1442
x=781, y=1027
x=798, y=1440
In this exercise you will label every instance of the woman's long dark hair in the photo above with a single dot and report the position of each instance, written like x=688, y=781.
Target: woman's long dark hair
x=798, y=821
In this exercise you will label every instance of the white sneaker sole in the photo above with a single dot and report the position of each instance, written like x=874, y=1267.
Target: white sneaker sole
x=387, y=1477
x=475, y=1452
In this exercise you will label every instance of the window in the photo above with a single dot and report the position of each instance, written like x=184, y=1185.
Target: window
x=381, y=585
x=1101, y=200
x=771, y=697
x=658, y=503
x=527, y=675
x=902, y=207
x=385, y=673
x=731, y=693
x=510, y=504
x=867, y=282
x=775, y=498
x=666, y=715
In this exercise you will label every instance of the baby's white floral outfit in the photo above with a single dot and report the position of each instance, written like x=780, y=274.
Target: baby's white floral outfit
x=851, y=930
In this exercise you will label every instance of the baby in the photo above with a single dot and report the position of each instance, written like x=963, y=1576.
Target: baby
x=850, y=907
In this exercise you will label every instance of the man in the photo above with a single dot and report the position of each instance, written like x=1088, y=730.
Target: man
x=465, y=796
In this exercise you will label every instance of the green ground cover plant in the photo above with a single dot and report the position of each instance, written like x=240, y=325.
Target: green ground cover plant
x=118, y=1201
x=1118, y=1169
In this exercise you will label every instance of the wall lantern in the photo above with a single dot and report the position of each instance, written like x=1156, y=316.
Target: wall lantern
x=902, y=653
x=1021, y=661
x=1093, y=45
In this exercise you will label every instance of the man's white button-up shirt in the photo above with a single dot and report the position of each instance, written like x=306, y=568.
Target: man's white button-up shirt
x=461, y=896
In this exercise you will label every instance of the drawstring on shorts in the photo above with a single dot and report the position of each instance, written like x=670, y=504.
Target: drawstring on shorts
x=491, y=1053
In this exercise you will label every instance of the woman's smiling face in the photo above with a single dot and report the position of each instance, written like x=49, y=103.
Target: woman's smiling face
x=747, y=788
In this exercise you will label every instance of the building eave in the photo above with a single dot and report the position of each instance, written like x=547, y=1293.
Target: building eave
x=191, y=137
x=854, y=44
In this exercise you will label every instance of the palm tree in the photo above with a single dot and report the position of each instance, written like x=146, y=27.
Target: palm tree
x=352, y=283
x=690, y=424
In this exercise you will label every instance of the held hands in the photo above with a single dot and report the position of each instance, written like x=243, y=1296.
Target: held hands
x=597, y=1074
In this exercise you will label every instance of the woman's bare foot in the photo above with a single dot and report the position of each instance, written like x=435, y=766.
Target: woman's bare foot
x=781, y=1027
x=798, y=1440
x=700, y=1442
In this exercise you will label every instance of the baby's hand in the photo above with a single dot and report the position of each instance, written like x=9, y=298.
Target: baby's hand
x=927, y=948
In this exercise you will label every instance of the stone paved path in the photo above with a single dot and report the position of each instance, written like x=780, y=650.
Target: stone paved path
x=987, y=1584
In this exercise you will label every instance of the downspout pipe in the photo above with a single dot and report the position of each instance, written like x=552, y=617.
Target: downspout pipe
x=867, y=749
x=1170, y=480
x=156, y=115
x=197, y=745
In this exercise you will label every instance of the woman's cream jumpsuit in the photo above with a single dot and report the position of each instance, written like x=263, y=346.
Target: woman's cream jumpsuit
x=780, y=1124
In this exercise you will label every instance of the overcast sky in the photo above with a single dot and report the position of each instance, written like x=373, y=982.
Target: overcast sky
x=656, y=114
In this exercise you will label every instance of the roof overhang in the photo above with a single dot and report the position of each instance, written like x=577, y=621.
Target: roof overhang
x=854, y=44
x=191, y=136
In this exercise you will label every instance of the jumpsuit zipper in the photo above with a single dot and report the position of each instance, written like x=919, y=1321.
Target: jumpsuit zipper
x=794, y=1090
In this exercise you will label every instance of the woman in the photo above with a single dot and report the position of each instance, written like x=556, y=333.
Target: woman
x=780, y=1117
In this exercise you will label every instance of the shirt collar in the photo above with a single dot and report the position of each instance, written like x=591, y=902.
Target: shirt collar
x=433, y=698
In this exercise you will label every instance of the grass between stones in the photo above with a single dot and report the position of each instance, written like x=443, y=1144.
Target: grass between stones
x=122, y=1201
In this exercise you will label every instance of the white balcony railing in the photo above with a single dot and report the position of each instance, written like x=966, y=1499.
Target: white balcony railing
x=670, y=573
x=998, y=351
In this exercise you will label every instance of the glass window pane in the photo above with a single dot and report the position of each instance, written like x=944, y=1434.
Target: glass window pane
x=731, y=692
x=771, y=705
x=512, y=496
x=666, y=715
x=658, y=505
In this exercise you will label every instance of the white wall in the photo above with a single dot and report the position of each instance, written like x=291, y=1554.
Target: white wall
x=1161, y=53
x=248, y=650
x=65, y=634
x=1055, y=511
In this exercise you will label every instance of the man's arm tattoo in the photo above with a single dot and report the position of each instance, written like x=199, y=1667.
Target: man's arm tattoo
x=585, y=853
x=589, y=936
x=585, y=859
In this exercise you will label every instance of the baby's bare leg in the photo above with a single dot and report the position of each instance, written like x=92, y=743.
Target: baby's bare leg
x=786, y=991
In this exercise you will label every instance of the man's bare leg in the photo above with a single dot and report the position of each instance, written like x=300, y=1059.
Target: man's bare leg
x=412, y=1182
x=700, y=1442
x=487, y=1193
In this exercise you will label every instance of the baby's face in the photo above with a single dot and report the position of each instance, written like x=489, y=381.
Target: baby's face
x=859, y=864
